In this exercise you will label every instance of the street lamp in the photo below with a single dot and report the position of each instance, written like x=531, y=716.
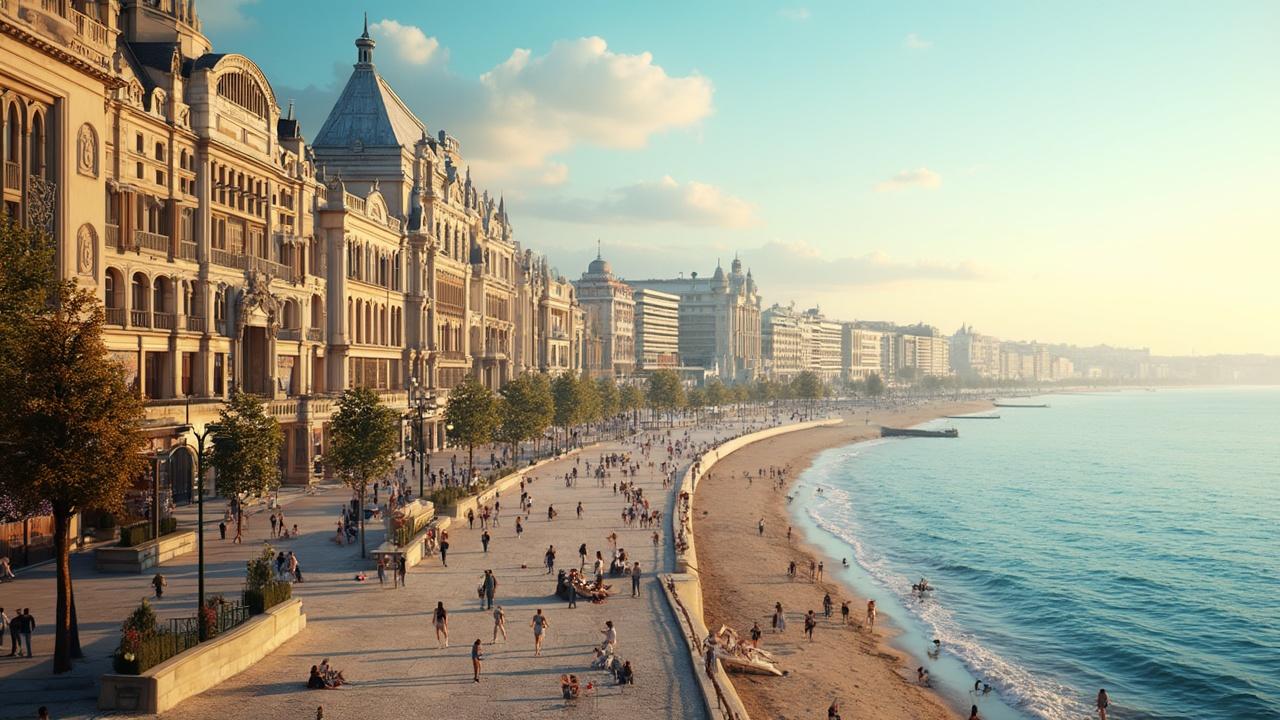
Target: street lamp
x=423, y=401
x=201, y=437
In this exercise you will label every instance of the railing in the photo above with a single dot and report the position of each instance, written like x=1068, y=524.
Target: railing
x=115, y=316
x=164, y=320
x=152, y=241
x=315, y=334
x=113, y=235
x=289, y=334
x=196, y=323
x=284, y=408
x=275, y=269
x=452, y=355
x=140, y=318
x=12, y=176
x=187, y=251
x=354, y=202
x=226, y=259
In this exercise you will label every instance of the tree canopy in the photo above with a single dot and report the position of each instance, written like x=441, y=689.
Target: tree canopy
x=666, y=392
x=526, y=408
x=874, y=385
x=471, y=416
x=363, y=438
x=246, y=449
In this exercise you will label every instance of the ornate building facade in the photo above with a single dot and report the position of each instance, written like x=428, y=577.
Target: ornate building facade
x=231, y=254
x=610, y=309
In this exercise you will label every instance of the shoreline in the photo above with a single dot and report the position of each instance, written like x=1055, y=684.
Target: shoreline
x=743, y=574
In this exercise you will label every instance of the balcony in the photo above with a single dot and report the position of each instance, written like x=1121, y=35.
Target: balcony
x=115, y=316
x=274, y=269
x=187, y=251
x=71, y=31
x=12, y=176
x=165, y=321
x=226, y=259
x=113, y=236
x=140, y=318
x=196, y=323
x=151, y=241
x=315, y=334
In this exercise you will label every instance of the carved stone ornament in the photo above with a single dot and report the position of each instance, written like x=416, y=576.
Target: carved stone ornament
x=87, y=151
x=86, y=249
x=258, y=296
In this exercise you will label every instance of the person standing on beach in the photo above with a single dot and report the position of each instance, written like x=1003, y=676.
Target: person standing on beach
x=760, y=527
x=499, y=624
x=476, y=657
x=826, y=605
x=756, y=633
x=582, y=555
x=871, y=615
x=810, y=622
x=779, y=618
x=540, y=626
x=820, y=568
x=635, y=580
x=484, y=541
x=1103, y=702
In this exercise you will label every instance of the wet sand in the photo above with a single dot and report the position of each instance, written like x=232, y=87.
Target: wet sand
x=743, y=574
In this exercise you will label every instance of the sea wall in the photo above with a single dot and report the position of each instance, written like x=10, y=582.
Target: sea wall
x=684, y=589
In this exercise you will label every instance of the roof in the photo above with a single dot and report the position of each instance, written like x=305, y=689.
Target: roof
x=370, y=112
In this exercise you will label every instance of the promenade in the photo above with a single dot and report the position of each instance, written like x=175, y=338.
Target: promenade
x=381, y=636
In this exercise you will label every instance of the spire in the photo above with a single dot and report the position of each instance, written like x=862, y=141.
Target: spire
x=364, y=46
x=599, y=253
x=290, y=115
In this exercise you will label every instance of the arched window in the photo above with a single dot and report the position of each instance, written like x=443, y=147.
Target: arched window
x=38, y=146
x=141, y=292
x=243, y=90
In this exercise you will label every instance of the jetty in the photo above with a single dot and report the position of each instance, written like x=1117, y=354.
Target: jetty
x=1018, y=405
x=911, y=432
x=972, y=417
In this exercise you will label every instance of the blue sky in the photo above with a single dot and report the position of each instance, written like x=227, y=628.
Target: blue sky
x=1081, y=172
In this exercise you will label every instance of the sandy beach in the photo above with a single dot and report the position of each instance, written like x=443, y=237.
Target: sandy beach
x=743, y=574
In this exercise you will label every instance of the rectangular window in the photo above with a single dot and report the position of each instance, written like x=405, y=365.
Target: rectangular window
x=188, y=361
x=218, y=374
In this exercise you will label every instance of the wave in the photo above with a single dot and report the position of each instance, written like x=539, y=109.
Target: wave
x=1037, y=696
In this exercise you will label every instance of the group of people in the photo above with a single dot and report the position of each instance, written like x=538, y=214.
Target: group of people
x=325, y=677
x=287, y=567
x=20, y=627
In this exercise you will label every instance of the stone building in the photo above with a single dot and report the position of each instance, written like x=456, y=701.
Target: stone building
x=975, y=355
x=231, y=254
x=719, y=321
x=859, y=352
x=820, y=348
x=657, y=329
x=610, y=308
x=781, y=342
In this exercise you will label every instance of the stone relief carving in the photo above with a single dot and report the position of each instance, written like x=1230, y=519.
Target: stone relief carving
x=258, y=296
x=87, y=151
x=86, y=249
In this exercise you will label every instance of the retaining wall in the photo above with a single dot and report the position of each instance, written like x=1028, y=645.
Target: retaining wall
x=144, y=556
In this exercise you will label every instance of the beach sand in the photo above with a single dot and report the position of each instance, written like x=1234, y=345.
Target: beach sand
x=744, y=574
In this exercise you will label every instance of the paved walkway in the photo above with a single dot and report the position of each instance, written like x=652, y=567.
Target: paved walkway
x=380, y=636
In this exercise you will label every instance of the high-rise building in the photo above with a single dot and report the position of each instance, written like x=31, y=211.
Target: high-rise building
x=859, y=353
x=719, y=321
x=975, y=355
x=924, y=354
x=781, y=343
x=820, y=350
x=610, y=307
x=657, y=329
x=549, y=327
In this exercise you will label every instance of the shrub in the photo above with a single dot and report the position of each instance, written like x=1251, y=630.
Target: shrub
x=403, y=535
x=106, y=521
x=448, y=497
x=135, y=534
x=168, y=525
x=259, y=600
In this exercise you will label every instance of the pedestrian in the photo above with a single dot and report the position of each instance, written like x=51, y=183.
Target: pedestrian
x=382, y=569
x=810, y=622
x=582, y=555
x=756, y=633
x=540, y=625
x=471, y=521
x=973, y=713
x=871, y=615
x=273, y=524
x=440, y=619
x=15, y=632
x=444, y=549
x=573, y=596
x=476, y=657
x=239, y=530
x=579, y=510
x=844, y=612
x=760, y=527
x=820, y=568
x=158, y=582
x=610, y=638
x=402, y=568
x=635, y=580
x=551, y=559
x=826, y=605
x=490, y=587
x=484, y=541
x=519, y=527
x=4, y=625
x=499, y=624
x=29, y=626
x=1103, y=702
x=222, y=530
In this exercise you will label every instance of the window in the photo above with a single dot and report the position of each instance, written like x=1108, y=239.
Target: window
x=160, y=151
x=139, y=144
x=218, y=372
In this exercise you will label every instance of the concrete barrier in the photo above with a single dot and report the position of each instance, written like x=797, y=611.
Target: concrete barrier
x=144, y=556
x=684, y=589
x=203, y=666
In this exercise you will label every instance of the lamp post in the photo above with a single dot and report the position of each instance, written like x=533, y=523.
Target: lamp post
x=423, y=401
x=201, y=437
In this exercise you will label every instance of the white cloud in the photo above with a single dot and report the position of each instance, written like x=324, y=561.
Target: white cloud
x=410, y=43
x=224, y=15
x=915, y=42
x=514, y=119
x=556, y=174
x=795, y=14
x=799, y=265
x=662, y=201
x=907, y=179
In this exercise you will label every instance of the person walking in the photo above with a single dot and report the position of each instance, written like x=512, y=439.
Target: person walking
x=760, y=527
x=810, y=622
x=756, y=633
x=551, y=559
x=871, y=615
x=444, y=549
x=610, y=633
x=1102, y=703
x=4, y=625
x=382, y=570
x=402, y=569
x=499, y=624
x=844, y=612
x=635, y=580
x=476, y=658
x=440, y=619
x=573, y=596
x=158, y=582
x=582, y=555
x=490, y=586
x=222, y=530
x=29, y=626
x=826, y=605
x=519, y=527
x=484, y=541
x=15, y=625
x=540, y=626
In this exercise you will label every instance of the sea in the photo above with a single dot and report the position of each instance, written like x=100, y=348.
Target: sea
x=1122, y=540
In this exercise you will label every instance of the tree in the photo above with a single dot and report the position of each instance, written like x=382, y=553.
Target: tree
x=471, y=417
x=609, y=397
x=246, y=450
x=874, y=385
x=589, y=396
x=666, y=392
x=715, y=393
x=566, y=391
x=632, y=399
x=808, y=386
x=70, y=435
x=526, y=409
x=363, y=437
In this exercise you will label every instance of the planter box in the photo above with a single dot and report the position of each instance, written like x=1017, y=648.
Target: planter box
x=143, y=557
x=203, y=666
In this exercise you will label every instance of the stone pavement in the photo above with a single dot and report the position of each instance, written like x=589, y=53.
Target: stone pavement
x=381, y=636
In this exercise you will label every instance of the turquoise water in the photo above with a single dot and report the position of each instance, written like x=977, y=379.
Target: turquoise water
x=1124, y=540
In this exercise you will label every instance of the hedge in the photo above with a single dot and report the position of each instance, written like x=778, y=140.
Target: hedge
x=140, y=532
x=259, y=600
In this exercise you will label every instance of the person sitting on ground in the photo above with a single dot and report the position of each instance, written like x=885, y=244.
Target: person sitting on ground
x=599, y=659
x=569, y=688
x=332, y=677
x=626, y=676
x=316, y=681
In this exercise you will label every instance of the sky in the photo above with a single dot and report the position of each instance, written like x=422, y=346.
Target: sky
x=1080, y=172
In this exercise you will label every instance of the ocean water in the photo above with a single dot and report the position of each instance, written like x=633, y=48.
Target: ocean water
x=1120, y=540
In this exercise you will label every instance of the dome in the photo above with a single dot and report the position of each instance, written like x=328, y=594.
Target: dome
x=599, y=266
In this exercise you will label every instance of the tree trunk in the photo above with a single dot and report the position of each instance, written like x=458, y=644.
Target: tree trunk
x=471, y=463
x=62, y=622
x=76, y=652
x=360, y=515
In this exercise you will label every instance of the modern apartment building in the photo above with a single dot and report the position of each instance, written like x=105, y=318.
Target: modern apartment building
x=657, y=326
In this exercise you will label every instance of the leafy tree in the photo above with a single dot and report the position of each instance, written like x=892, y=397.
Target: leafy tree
x=715, y=393
x=246, y=450
x=589, y=396
x=609, y=395
x=666, y=392
x=567, y=392
x=696, y=398
x=807, y=385
x=363, y=437
x=472, y=413
x=70, y=434
x=526, y=410
x=874, y=385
